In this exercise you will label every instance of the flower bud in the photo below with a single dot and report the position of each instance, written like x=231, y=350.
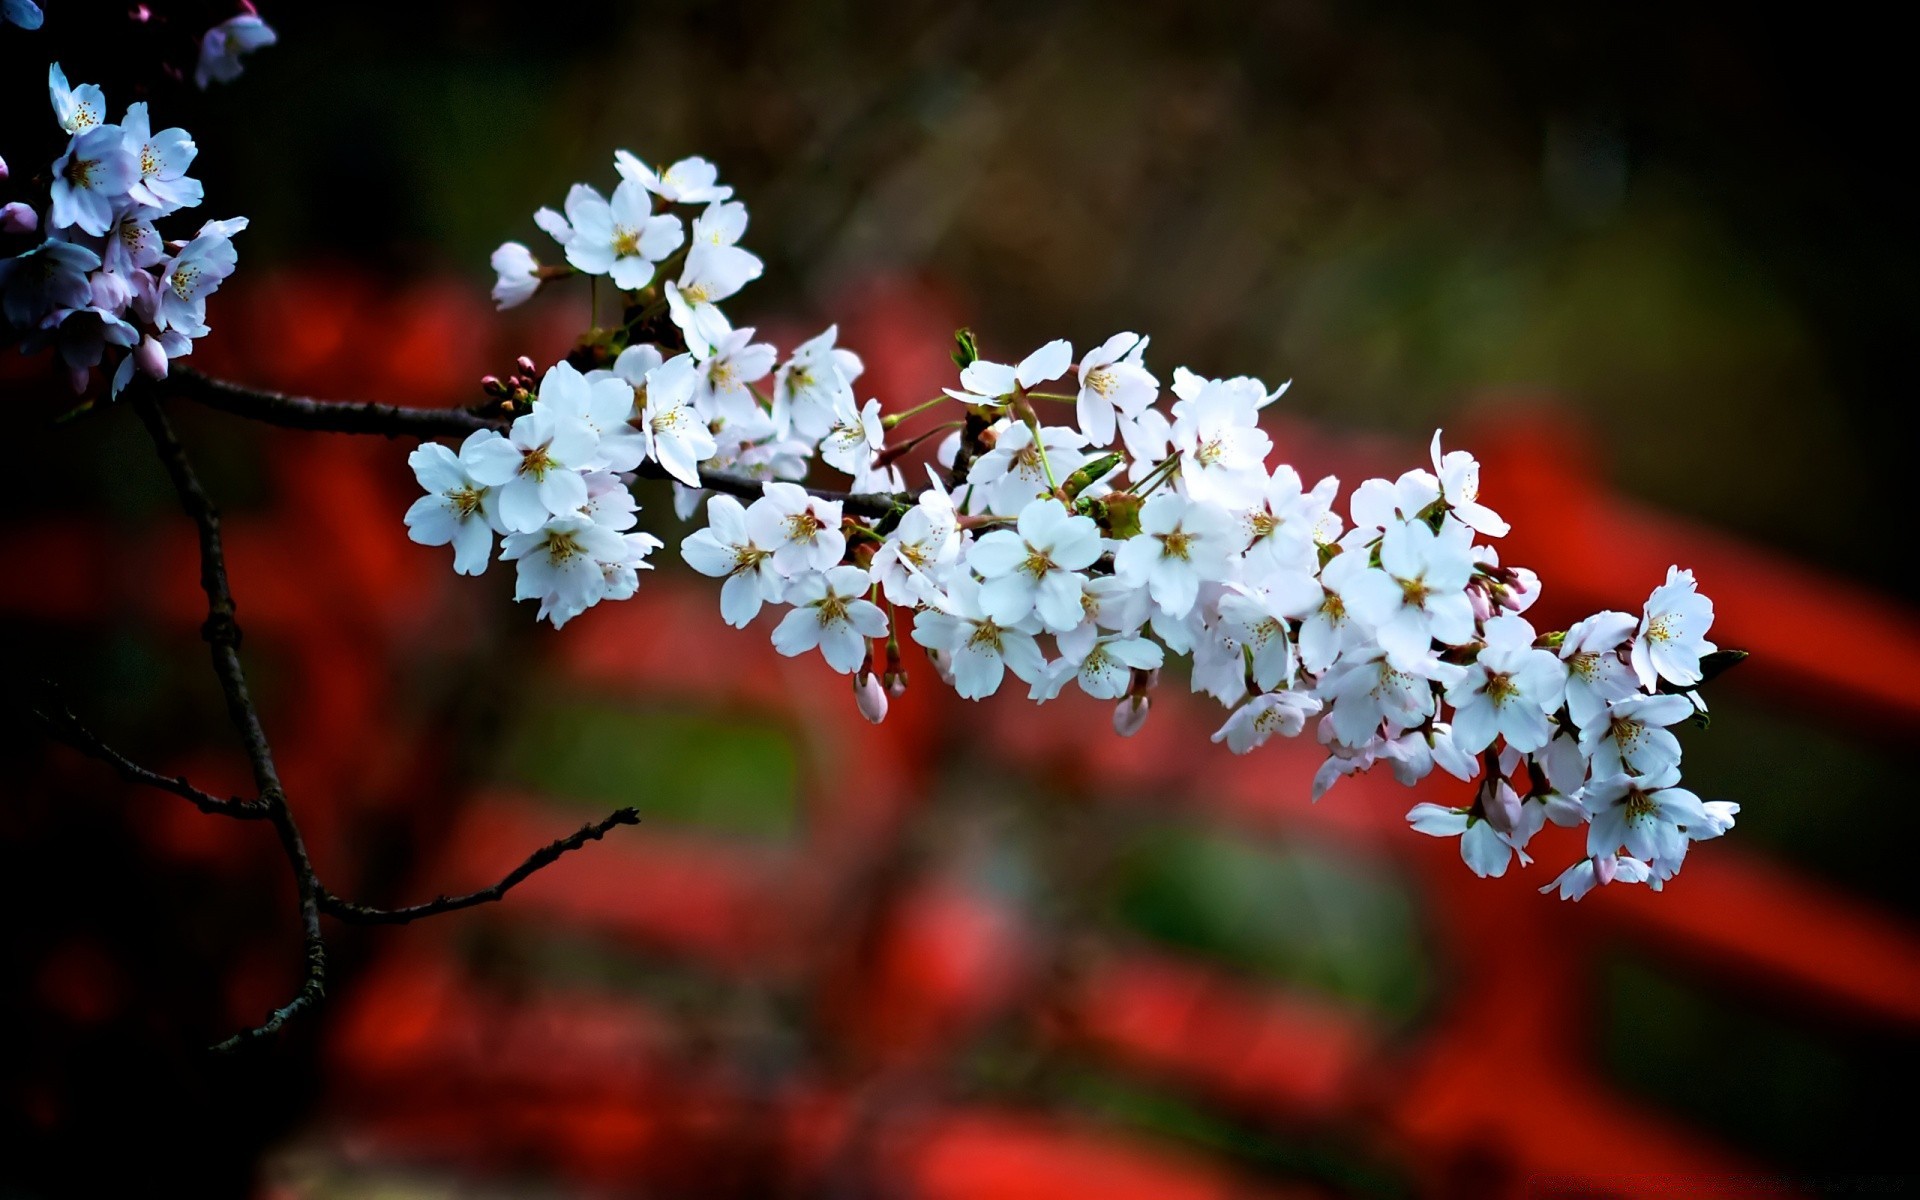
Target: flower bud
x=151, y=357
x=526, y=366
x=1500, y=805
x=1477, y=597
x=18, y=218
x=78, y=376
x=896, y=683
x=869, y=697
x=3, y=170
x=1130, y=715
x=1604, y=867
x=1522, y=590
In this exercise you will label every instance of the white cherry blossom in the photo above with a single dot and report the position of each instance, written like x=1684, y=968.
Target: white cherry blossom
x=830, y=612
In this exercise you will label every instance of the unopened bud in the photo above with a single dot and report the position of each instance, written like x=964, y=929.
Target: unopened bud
x=869, y=697
x=151, y=357
x=3, y=170
x=1604, y=868
x=526, y=366
x=1500, y=805
x=1522, y=589
x=491, y=385
x=78, y=376
x=1130, y=715
x=896, y=682
x=1477, y=597
x=18, y=218
x=141, y=14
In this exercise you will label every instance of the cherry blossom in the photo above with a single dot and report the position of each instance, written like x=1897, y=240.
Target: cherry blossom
x=1672, y=636
x=829, y=612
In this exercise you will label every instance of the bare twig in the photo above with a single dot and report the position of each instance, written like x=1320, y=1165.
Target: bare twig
x=53, y=715
x=364, y=914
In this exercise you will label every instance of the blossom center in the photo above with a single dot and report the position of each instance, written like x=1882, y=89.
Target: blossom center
x=536, y=463
x=183, y=280
x=1639, y=804
x=561, y=547
x=1175, y=544
x=149, y=162
x=1584, y=665
x=803, y=526
x=1037, y=564
x=986, y=635
x=1415, y=591
x=697, y=293
x=466, y=500
x=1264, y=523
x=626, y=242
x=832, y=607
x=1500, y=688
x=1660, y=629
x=1101, y=381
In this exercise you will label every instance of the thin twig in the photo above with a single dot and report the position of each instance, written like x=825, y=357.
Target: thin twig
x=391, y=420
x=364, y=914
x=58, y=720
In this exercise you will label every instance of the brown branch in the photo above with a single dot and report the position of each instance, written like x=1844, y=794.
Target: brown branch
x=222, y=635
x=363, y=914
x=390, y=420
x=58, y=720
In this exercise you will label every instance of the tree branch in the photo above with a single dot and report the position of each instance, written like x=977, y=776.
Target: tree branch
x=222, y=634
x=363, y=914
x=390, y=420
x=58, y=720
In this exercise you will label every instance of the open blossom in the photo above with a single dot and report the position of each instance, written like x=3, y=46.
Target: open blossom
x=161, y=160
x=457, y=508
x=721, y=224
x=677, y=437
x=1458, y=473
x=1507, y=691
x=830, y=611
x=621, y=238
x=1033, y=567
x=802, y=530
x=78, y=109
x=1181, y=544
x=1284, y=522
x=1633, y=739
x=711, y=274
x=537, y=467
x=1270, y=713
x=1113, y=378
x=1011, y=474
x=988, y=382
x=813, y=388
x=1645, y=813
x=560, y=564
x=1254, y=621
x=1223, y=452
x=90, y=178
x=977, y=650
x=1103, y=665
x=725, y=549
x=223, y=45
x=52, y=275
x=911, y=565
x=604, y=404
x=724, y=388
x=1672, y=637
x=1427, y=601
x=1598, y=871
x=1365, y=691
x=194, y=274
x=854, y=439
x=1596, y=676
x=1485, y=850
x=689, y=181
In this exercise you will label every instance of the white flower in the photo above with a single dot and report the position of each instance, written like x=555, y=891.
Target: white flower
x=622, y=575
x=1111, y=603
x=517, y=270
x=604, y=404
x=912, y=563
x=457, y=507
x=52, y=275
x=1181, y=543
x=1011, y=474
x=1285, y=524
x=677, y=437
x=721, y=224
x=161, y=159
x=990, y=382
x=1672, y=637
x=802, y=530
x=1367, y=689
x=90, y=178
x=560, y=564
x=1507, y=691
x=1113, y=377
x=78, y=109
x=1104, y=666
x=1645, y=813
x=1632, y=740
x=1459, y=476
x=725, y=549
x=1582, y=877
x=830, y=612
x=724, y=389
x=1223, y=452
x=1415, y=753
x=555, y=225
x=1595, y=675
x=853, y=441
x=1483, y=848
x=976, y=649
x=537, y=468
x=222, y=46
x=689, y=181
x=813, y=389
x=711, y=274
x=1255, y=621
x=1328, y=627
x=609, y=503
x=1428, y=601
x=1032, y=568
x=194, y=274
x=622, y=239
x=1250, y=725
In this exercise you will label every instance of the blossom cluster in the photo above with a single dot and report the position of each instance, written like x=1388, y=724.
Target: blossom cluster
x=1085, y=548
x=103, y=286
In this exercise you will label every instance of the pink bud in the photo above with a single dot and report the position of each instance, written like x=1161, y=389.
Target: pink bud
x=1477, y=596
x=869, y=697
x=141, y=14
x=896, y=682
x=1130, y=715
x=79, y=376
x=151, y=357
x=1500, y=805
x=1604, y=866
x=17, y=217
x=1522, y=590
x=3, y=170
